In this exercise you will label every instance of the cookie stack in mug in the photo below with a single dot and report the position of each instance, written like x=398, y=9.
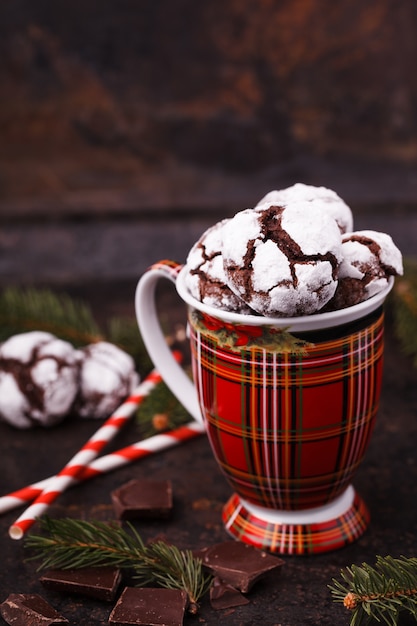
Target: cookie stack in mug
x=294, y=254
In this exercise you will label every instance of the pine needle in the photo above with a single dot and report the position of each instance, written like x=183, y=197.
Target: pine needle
x=24, y=310
x=160, y=412
x=405, y=309
x=70, y=543
x=28, y=309
x=378, y=593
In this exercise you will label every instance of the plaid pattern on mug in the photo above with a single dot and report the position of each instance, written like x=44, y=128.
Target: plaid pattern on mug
x=300, y=539
x=289, y=430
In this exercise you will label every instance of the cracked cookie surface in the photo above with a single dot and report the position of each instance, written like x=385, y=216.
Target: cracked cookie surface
x=282, y=260
x=369, y=259
x=206, y=278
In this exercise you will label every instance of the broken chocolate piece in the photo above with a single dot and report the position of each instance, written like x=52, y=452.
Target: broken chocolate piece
x=21, y=609
x=143, y=498
x=95, y=582
x=148, y=606
x=225, y=596
x=239, y=564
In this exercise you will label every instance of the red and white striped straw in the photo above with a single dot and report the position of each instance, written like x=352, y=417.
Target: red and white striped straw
x=79, y=462
x=109, y=462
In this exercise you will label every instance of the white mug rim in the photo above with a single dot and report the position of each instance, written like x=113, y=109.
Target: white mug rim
x=302, y=323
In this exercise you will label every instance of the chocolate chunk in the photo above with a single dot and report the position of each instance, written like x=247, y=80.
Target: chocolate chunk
x=143, y=498
x=224, y=596
x=22, y=609
x=239, y=564
x=149, y=607
x=95, y=582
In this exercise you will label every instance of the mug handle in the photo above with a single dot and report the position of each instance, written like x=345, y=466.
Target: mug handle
x=153, y=338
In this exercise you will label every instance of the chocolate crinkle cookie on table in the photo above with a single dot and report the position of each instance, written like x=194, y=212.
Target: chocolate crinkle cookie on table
x=44, y=379
x=38, y=379
x=369, y=259
x=282, y=260
x=206, y=278
x=107, y=377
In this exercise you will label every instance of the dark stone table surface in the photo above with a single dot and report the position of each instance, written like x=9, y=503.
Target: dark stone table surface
x=299, y=595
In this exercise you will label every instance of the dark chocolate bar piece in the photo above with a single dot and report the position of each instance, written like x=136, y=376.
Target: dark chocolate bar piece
x=148, y=606
x=29, y=609
x=224, y=596
x=239, y=564
x=143, y=498
x=95, y=582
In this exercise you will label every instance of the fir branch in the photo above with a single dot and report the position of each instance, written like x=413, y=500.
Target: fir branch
x=175, y=569
x=70, y=319
x=405, y=309
x=23, y=310
x=160, y=411
x=378, y=593
x=71, y=543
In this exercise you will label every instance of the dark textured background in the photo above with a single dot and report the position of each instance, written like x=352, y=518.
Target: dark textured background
x=126, y=128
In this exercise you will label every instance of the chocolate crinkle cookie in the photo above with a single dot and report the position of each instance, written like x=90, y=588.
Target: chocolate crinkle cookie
x=318, y=199
x=282, y=260
x=44, y=379
x=206, y=278
x=107, y=377
x=369, y=259
x=38, y=379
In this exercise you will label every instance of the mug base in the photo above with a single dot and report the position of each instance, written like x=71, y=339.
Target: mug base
x=309, y=531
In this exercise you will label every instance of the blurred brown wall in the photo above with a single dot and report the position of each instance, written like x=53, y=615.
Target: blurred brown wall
x=194, y=109
x=95, y=94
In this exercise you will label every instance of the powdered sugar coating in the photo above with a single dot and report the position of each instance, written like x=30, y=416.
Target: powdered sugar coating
x=319, y=198
x=107, y=377
x=389, y=255
x=369, y=259
x=206, y=278
x=38, y=379
x=282, y=261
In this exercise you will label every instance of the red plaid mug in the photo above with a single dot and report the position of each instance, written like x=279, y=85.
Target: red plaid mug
x=289, y=406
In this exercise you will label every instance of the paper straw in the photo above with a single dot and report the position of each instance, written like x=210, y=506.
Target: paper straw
x=108, y=463
x=88, y=452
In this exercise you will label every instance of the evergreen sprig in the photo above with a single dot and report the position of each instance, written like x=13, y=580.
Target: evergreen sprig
x=378, y=593
x=71, y=319
x=41, y=309
x=71, y=543
x=405, y=309
x=160, y=411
